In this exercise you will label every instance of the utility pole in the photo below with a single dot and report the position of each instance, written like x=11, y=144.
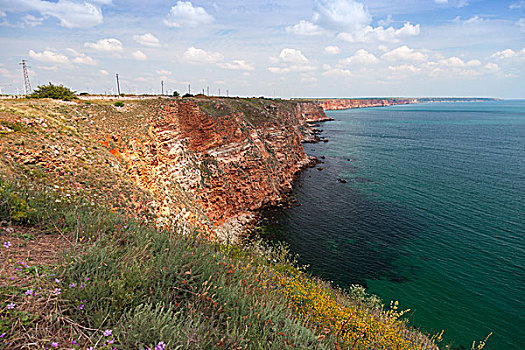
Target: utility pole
x=162, y=87
x=227, y=93
x=118, y=85
x=219, y=92
x=189, y=88
x=27, y=84
x=208, y=90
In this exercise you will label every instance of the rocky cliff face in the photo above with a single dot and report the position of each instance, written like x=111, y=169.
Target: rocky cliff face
x=212, y=162
x=337, y=104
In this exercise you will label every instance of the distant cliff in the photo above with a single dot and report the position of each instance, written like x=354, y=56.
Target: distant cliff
x=348, y=103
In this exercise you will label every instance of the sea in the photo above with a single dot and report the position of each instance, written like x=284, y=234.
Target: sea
x=423, y=204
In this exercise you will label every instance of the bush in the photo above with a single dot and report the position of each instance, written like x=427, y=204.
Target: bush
x=119, y=104
x=176, y=94
x=187, y=95
x=57, y=92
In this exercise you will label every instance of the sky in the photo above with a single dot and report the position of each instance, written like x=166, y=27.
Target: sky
x=293, y=48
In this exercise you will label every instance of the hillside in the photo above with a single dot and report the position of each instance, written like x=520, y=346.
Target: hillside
x=111, y=218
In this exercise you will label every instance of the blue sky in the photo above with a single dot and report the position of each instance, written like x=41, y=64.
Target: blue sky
x=294, y=48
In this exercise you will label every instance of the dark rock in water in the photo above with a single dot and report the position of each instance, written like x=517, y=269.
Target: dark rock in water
x=343, y=181
x=320, y=168
x=322, y=157
x=348, y=160
x=325, y=140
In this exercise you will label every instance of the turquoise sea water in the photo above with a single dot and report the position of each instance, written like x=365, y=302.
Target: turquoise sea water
x=432, y=214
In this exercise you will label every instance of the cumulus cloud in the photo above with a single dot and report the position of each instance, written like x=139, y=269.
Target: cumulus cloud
x=106, y=45
x=71, y=14
x=369, y=33
x=508, y=53
x=82, y=58
x=147, y=39
x=404, y=69
x=404, y=53
x=336, y=72
x=184, y=14
x=163, y=72
x=237, y=65
x=292, y=56
x=360, y=57
x=103, y=72
x=305, y=28
x=139, y=55
x=332, y=50
x=195, y=55
x=491, y=67
x=49, y=56
x=351, y=21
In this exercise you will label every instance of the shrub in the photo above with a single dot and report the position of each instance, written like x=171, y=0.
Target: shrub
x=187, y=95
x=176, y=94
x=119, y=104
x=57, y=92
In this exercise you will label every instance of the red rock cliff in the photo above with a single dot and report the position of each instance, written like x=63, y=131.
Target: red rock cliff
x=212, y=162
x=337, y=104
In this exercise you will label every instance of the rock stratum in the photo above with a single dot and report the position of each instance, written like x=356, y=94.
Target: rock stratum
x=348, y=103
x=213, y=162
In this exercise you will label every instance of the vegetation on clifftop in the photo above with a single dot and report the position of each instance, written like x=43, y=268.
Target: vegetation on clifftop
x=82, y=265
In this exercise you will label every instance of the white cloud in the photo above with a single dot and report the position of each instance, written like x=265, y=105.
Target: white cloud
x=441, y=1
x=48, y=56
x=305, y=28
x=50, y=68
x=517, y=5
x=521, y=24
x=292, y=56
x=139, y=55
x=384, y=22
x=341, y=15
x=236, y=65
x=308, y=79
x=71, y=14
x=147, y=39
x=404, y=53
x=332, y=50
x=474, y=63
x=195, y=55
x=452, y=62
x=337, y=72
x=508, y=53
x=184, y=14
x=82, y=58
x=404, y=69
x=31, y=21
x=492, y=67
x=103, y=72
x=471, y=20
x=292, y=68
x=106, y=45
x=390, y=34
x=360, y=57
x=163, y=72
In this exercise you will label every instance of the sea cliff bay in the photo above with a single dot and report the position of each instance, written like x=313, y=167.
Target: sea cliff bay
x=123, y=222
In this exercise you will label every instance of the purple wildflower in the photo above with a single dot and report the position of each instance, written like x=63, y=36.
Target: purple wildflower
x=160, y=346
x=54, y=344
x=23, y=264
x=72, y=285
x=29, y=292
x=110, y=341
x=107, y=332
x=57, y=280
x=2, y=335
x=56, y=291
x=90, y=348
x=11, y=306
x=7, y=244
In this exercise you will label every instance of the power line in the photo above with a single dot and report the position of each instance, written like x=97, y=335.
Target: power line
x=27, y=84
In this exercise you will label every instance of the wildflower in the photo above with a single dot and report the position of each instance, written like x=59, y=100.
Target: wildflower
x=110, y=341
x=2, y=335
x=7, y=244
x=11, y=306
x=90, y=348
x=54, y=344
x=56, y=291
x=72, y=285
x=160, y=346
x=29, y=292
x=57, y=280
x=107, y=332
x=81, y=307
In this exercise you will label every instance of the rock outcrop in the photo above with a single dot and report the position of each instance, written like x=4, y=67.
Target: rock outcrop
x=213, y=162
x=348, y=103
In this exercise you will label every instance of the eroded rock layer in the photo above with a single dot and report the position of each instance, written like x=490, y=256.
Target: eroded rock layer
x=212, y=162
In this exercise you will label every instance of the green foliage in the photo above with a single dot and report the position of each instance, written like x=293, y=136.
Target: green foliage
x=13, y=205
x=57, y=92
x=176, y=94
x=187, y=95
x=119, y=104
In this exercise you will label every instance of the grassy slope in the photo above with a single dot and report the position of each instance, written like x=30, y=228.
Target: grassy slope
x=147, y=286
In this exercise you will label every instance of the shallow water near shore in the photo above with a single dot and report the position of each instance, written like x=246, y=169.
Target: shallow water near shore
x=432, y=214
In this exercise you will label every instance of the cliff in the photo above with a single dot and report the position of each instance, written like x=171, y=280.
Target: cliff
x=348, y=103
x=212, y=162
